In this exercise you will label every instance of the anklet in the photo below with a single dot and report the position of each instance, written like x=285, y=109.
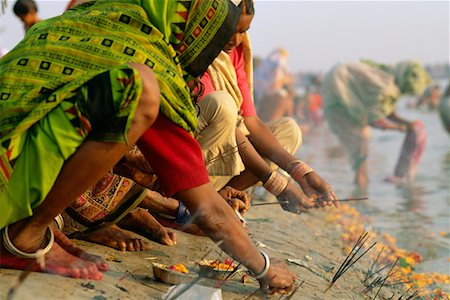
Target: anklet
x=59, y=222
x=39, y=255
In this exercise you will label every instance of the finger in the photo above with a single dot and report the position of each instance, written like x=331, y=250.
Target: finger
x=246, y=200
x=309, y=203
x=337, y=204
x=241, y=205
x=331, y=198
x=281, y=291
x=234, y=204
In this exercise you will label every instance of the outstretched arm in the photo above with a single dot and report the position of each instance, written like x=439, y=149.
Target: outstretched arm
x=392, y=122
x=291, y=197
x=268, y=146
x=219, y=222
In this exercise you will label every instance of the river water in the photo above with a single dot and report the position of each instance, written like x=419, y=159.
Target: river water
x=417, y=213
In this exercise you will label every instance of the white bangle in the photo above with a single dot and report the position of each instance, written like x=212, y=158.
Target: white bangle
x=266, y=267
x=59, y=222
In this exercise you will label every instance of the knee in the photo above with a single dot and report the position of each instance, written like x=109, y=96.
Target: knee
x=297, y=136
x=219, y=107
x=290, y=134
x=149, y=103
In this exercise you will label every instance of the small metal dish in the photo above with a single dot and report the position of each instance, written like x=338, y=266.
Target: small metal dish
x=163, y=274
x=205, y=270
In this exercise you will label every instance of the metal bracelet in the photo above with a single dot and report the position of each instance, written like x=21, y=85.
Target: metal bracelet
x=266, y=267
x=59, y=222
x=17, y=252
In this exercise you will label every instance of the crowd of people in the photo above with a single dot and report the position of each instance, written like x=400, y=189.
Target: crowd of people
x=122, y=116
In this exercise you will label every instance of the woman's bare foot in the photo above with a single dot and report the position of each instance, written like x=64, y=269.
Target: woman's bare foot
x=57, y=260
x=188, y=228
x=70, y=247
x=157, y=203
x=142, y=222
x=117, y=238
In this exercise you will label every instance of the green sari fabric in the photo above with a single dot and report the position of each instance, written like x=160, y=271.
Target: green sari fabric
x=176, y=38
x=59, y=54
x=411, y=77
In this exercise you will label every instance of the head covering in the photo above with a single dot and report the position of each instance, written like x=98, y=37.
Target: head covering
x=201, y=42
x=270, y=70
x=60, y=54
x=411, y=77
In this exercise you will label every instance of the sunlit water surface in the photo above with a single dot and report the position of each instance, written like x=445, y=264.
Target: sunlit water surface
x=415, y=213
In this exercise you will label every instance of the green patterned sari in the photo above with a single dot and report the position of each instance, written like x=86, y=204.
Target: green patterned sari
x=48, y=70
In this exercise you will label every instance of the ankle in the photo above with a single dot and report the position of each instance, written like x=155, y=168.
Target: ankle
x=27, y=232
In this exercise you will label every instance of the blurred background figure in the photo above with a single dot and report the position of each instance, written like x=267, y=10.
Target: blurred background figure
x=27, y=12
x=363, y=94
x=444, y=108
x=309, y=104
x=274, y=87
x=430, y=98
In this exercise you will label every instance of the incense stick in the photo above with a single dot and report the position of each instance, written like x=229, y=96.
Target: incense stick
x=285, y=202
x=349, y=259
x=346, y=199
x=269, y=203
x=229, y=152
x=388, y=275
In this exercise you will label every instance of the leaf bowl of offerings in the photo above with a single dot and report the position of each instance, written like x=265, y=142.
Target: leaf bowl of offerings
x=216, y=269
x=173, y=274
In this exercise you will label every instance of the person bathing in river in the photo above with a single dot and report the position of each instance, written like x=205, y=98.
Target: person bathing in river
x=364, y=94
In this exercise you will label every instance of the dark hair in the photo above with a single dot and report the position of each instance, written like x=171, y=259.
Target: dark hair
x=23, y=7
x=247, y=7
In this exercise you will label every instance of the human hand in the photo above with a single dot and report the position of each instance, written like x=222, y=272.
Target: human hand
x=293, y=199
x=318, y=189
x=134, y=166
x=238, y=200
x=405, y=127
x=279, y=280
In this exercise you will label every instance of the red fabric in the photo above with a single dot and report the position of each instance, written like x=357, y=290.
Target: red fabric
x=174, y=155
x=237, y=58
x=71, y=3
x=315, y=101
x=412, y=150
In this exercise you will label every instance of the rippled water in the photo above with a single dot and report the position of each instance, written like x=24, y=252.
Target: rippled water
x=414, y=213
